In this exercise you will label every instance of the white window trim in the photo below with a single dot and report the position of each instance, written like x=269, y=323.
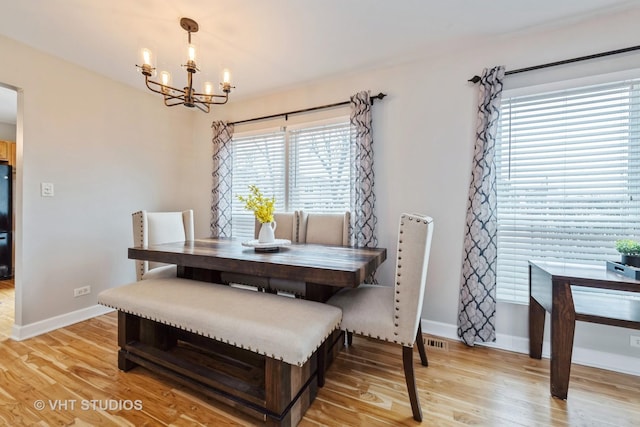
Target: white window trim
x=571, y=83
x=317, y=123
x=254, y=132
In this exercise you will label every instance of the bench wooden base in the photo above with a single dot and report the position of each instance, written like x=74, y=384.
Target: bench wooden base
x=270, y=390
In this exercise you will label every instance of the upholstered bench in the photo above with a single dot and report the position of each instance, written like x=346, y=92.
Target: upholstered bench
x=258, y=352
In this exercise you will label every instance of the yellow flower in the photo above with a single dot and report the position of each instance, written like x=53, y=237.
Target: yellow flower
x=262, y=207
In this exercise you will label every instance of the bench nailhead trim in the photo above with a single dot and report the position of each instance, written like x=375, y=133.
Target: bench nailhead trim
x=337, y=326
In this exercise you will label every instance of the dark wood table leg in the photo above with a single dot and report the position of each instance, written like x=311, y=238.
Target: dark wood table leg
x=320, y=293
x=536, y=328
x=200, y=274
x=322, y=362
x=563, y=323
x=128, y=330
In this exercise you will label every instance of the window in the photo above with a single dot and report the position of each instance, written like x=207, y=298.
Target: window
x=304, y=167
x=568, y=178
x=259, y=160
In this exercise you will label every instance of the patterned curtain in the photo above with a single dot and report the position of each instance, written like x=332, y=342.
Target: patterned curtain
x=362, y=229
x=222, y=177
x=476, y=317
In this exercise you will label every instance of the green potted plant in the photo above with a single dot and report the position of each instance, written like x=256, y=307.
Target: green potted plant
x=630, y=251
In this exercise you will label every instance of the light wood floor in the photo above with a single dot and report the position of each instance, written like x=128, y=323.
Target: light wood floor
x=7, y=308
x=73, y=372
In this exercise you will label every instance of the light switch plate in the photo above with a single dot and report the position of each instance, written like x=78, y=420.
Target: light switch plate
x=46, y=189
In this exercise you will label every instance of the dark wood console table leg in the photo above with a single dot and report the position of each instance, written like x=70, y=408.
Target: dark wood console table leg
x=536, y=328
x=563, y=323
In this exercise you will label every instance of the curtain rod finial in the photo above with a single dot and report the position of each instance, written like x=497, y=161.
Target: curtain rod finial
x=474, y=79
x=378, y=96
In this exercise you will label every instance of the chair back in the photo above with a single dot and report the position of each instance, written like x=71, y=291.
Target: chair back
x=414, y=245
x=151, y=228
x=325, y=228
x=286, y=226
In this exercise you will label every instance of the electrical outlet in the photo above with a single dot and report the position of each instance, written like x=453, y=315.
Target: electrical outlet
x=634, y=341
x=85, y=290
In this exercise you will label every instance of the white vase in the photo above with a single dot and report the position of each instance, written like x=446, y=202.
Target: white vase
x=266, y=234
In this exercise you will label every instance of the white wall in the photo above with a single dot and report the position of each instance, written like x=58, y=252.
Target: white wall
x=423, y=139
x=7, y=131
x=110, y=150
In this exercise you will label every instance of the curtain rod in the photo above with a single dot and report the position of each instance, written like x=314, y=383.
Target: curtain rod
x=306, y=110
x=476, y=79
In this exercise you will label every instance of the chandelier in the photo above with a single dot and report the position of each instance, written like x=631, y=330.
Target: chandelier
x=187, y=96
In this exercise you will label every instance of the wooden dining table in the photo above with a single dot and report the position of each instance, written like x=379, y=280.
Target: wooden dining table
x=324, y=269
x=241, y=377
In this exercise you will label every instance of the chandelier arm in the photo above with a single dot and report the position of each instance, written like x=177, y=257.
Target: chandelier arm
x=213, y=95
x=218, y=102
x=172, y=104
x=147, y=81
x=179, y=94
x=210, y=102
x=174, y=96
x=204, y=110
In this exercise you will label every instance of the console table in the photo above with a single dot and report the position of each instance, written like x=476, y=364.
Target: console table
x=563, y=290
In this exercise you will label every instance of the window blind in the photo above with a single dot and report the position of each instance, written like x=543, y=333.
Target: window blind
x=320, y=168
x=568, y=178
x=257, y=160
x=304, y=168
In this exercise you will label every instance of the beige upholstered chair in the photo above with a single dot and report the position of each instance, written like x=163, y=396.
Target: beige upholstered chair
x=325, y=228
x=160, y=227
x=286, y=228
x=319, y=228
x=392, y=313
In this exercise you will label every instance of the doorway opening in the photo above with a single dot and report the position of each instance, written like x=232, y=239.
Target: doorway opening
x=8, y=164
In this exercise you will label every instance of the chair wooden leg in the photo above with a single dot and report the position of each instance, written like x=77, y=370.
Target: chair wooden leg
x=349, y=338
x=421, y=350
x=407, y=361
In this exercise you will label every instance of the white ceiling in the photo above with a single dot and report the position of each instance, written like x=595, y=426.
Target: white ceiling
x=272, y=44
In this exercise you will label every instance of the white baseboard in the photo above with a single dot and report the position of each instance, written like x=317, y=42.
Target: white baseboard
x=581, y=356
x=20, y=333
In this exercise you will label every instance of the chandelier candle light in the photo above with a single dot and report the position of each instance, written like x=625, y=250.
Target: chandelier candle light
x=187, y=96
